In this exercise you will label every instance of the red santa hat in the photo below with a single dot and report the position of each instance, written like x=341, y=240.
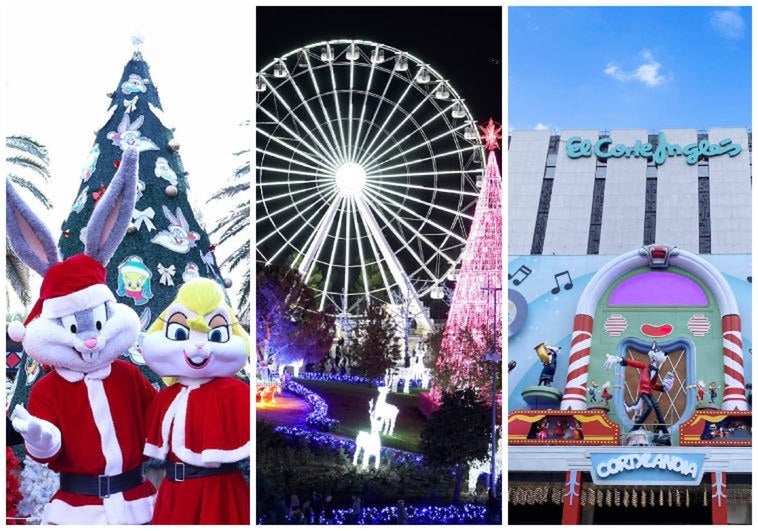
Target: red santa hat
x=75, y=284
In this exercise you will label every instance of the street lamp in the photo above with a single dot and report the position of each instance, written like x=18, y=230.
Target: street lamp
x=495, y=358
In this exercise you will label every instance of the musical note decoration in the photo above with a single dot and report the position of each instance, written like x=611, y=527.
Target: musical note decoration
x=568, y=285
x=522, y=270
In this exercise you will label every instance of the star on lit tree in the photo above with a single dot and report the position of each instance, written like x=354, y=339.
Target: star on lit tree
x=491, y=135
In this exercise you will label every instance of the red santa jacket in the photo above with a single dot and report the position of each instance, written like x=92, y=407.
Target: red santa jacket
x=648, y=376
x=205, y=422
x=101, y=417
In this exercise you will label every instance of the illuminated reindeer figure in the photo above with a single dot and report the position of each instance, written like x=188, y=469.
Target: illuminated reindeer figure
x=385, y=412
x=369, y=443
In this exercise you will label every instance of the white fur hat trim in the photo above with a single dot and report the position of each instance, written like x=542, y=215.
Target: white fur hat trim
x=16, y=330
x=71, y=303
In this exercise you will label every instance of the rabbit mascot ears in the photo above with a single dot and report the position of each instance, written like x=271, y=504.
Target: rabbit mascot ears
x=79, y=281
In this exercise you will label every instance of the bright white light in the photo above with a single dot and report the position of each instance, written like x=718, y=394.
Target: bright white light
x=351, y=178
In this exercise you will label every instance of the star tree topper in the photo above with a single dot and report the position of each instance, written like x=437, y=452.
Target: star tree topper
x=491, y=135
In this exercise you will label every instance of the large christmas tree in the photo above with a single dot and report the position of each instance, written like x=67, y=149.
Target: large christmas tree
x=165, y=246
x=473, y=323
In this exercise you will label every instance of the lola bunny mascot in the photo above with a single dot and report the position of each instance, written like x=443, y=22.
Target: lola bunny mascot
x=200, y=425
x=85, y=419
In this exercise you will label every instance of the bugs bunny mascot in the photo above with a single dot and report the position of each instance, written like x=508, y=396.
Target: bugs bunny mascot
x=85, y=419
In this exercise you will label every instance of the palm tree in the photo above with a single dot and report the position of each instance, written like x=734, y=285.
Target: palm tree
x=236, y=223
x=26, y=160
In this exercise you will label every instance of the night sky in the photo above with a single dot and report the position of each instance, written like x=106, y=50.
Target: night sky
x=464, y=44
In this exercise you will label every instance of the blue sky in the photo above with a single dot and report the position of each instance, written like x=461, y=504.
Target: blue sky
x=629, y=67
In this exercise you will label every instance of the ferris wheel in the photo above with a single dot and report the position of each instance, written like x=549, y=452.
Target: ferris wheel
x=367, y=163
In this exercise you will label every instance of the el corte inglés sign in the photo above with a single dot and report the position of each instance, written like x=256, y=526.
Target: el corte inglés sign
x=647, y=468
x=604, y=148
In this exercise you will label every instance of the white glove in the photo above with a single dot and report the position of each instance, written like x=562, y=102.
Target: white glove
x=611, y=360
x=668, y=381
x=42, y=438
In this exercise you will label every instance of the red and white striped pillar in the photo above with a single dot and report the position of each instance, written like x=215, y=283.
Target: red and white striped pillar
x=719, y=513
x=575, y=392
x=734, y=370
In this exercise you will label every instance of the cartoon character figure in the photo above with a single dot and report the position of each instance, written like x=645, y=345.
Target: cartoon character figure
x=164, y=171
x=576, y=431
x=85, y=418
x=134, y=280
x=559, y=432
x=178, y=237
x=713, y=394
x=648, y=381
x=700, y=390
x=128, y=135
x=548, y=367
x=191, y=270
x=89, y=165
x=80, y=200
x=592, y=391
x=200, y=424
x=606, y=395
x=134, y=84
x=544, y=427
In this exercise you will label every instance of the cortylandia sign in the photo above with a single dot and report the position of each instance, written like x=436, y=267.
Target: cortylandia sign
x=604, y=148
x=647, y=468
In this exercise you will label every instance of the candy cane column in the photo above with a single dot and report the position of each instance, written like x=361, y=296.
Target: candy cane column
x=734, y=372
x=575, y=392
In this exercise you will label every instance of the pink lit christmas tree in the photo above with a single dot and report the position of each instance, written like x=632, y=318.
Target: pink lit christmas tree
x=470, y=330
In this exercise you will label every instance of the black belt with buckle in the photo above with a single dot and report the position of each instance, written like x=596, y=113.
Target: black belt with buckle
x=102, y=486
x=182, y=471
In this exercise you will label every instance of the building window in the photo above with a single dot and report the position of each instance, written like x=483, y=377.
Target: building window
x=596, y=216
x=651, y=197
x=704, y=215
x=540, y=226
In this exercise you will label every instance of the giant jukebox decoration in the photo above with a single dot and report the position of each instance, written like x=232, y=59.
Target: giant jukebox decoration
x=653, y=392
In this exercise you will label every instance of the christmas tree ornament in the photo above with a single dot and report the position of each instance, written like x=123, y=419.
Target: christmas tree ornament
x=173, y=145
x=228, y=282
x=171, y=191
x=144, y=217
x=134, y=280
x=164, y=171
x=167, y=274
x=131, y=229
x=91, y=163
x=177, y=237
x=97, y=194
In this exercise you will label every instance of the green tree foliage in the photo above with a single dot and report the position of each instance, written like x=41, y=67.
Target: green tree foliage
x=289, y=323
x=27, y=163
x=377, y=348
x=458, y=432
x=236, y=224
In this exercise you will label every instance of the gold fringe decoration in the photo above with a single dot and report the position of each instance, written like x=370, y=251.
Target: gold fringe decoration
x=591, y=497
x=678, y=498
x=671, y=503
x=616, y=498
x=687, y=496
x=705, y=498
x=608, y=499
x=644, y=498
x=634, y=498
x=652, y=498
x=558, y=496
x=599, y=498
x=660, y=498
x=626, y=498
